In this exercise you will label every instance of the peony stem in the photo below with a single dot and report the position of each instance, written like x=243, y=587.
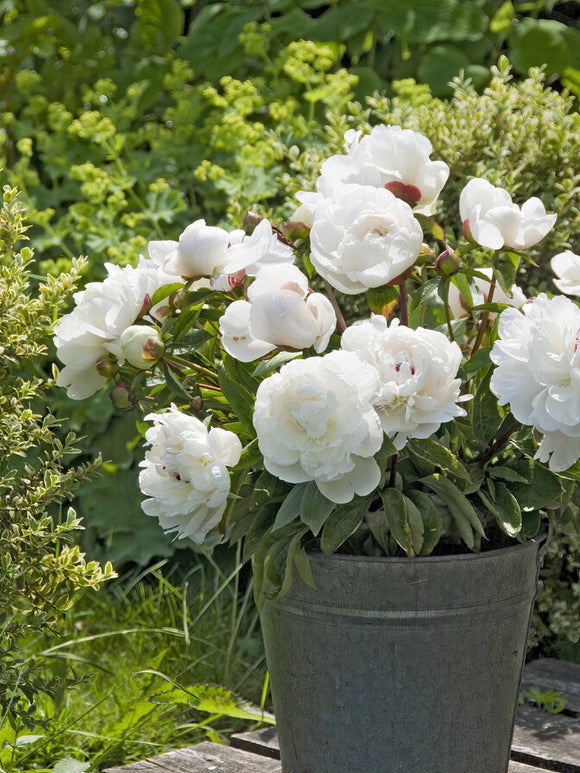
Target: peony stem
x=448, y=311
x=340, y=323
x=491, y=450
x=403, y=303
x=175, y=360
x=483, y=325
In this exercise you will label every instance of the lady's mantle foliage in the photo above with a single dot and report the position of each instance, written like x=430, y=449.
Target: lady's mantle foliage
x=431, y=427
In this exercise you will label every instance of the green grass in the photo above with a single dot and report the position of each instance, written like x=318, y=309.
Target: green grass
x=144, y=648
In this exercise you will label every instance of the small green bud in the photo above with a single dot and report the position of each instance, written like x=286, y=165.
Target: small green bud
x=448, y=263
x=122, y=397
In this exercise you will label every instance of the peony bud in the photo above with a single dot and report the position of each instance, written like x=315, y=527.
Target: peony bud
x=141, y=345
x=107, y=366
x=295, y=229
x=251, y=221
x=447, y=263
x=121, y=396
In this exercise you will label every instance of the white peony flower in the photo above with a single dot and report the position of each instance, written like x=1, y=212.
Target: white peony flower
x=389, y=157
x=281, y=312
x=363, y=237
x=418, y=389
x=256, y=251
x=494, y=221
x=480, y=295
x=538, y=374
x=315, y=422
x=566, y=266
x=103, y=311
x=202, y=251
x=225, y=257
x=184, y=473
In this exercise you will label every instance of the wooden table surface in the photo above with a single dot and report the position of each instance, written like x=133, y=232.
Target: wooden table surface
x=542, y=741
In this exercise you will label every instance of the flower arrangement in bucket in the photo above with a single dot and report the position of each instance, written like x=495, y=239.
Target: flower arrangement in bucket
x=446, y=422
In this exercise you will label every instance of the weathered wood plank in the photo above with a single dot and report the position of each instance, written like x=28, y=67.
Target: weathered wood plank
x=551, y=674
x=551, y=741
x=203, y=758
x=264, y=742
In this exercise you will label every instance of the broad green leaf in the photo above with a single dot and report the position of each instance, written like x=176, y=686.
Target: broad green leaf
x=315, y=508
x=265, y=367
x=485, y=416
x=380, y=297
x=290, y=508
x=174, y=383
x=302, y=563
x=461, y=510
x=432, y=524
x=507, y=510
x=164, y=292
x=462, y=284
x=543, y=486
x=433, y=452
x=377, y=522
x=531, y=522
x=397, y=518
x=424, y=292
x=506, y=473
x=240, y=400
x=341, y=524
x=415, y=524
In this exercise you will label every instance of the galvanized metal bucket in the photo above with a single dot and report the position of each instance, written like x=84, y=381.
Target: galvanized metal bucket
x=401, y=666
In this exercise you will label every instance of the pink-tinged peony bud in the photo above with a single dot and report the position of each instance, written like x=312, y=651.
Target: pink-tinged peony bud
x=107, y=366
x=145, y=309
x=141, y=345
x=295, y=229
x=447, y=263
x=466, y=231
x=122, y=397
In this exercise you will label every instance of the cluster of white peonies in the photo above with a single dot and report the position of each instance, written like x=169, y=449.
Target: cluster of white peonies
x=94, y=329
x=324, y=418
x=185, y=473
x=114, y=318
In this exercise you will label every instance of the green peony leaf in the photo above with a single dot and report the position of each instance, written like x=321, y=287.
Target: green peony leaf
x=433, y=452
x=398, y=519
x=315, y=508
x=290, y=508
x=342, y=524
x=432, y=524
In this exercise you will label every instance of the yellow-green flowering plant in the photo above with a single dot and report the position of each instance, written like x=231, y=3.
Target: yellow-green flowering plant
x=446, y=419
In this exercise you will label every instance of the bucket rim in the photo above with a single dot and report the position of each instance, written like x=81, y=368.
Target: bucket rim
x=536, y=542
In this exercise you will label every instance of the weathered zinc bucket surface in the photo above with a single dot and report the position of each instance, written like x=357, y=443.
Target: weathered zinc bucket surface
x=401, y=666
